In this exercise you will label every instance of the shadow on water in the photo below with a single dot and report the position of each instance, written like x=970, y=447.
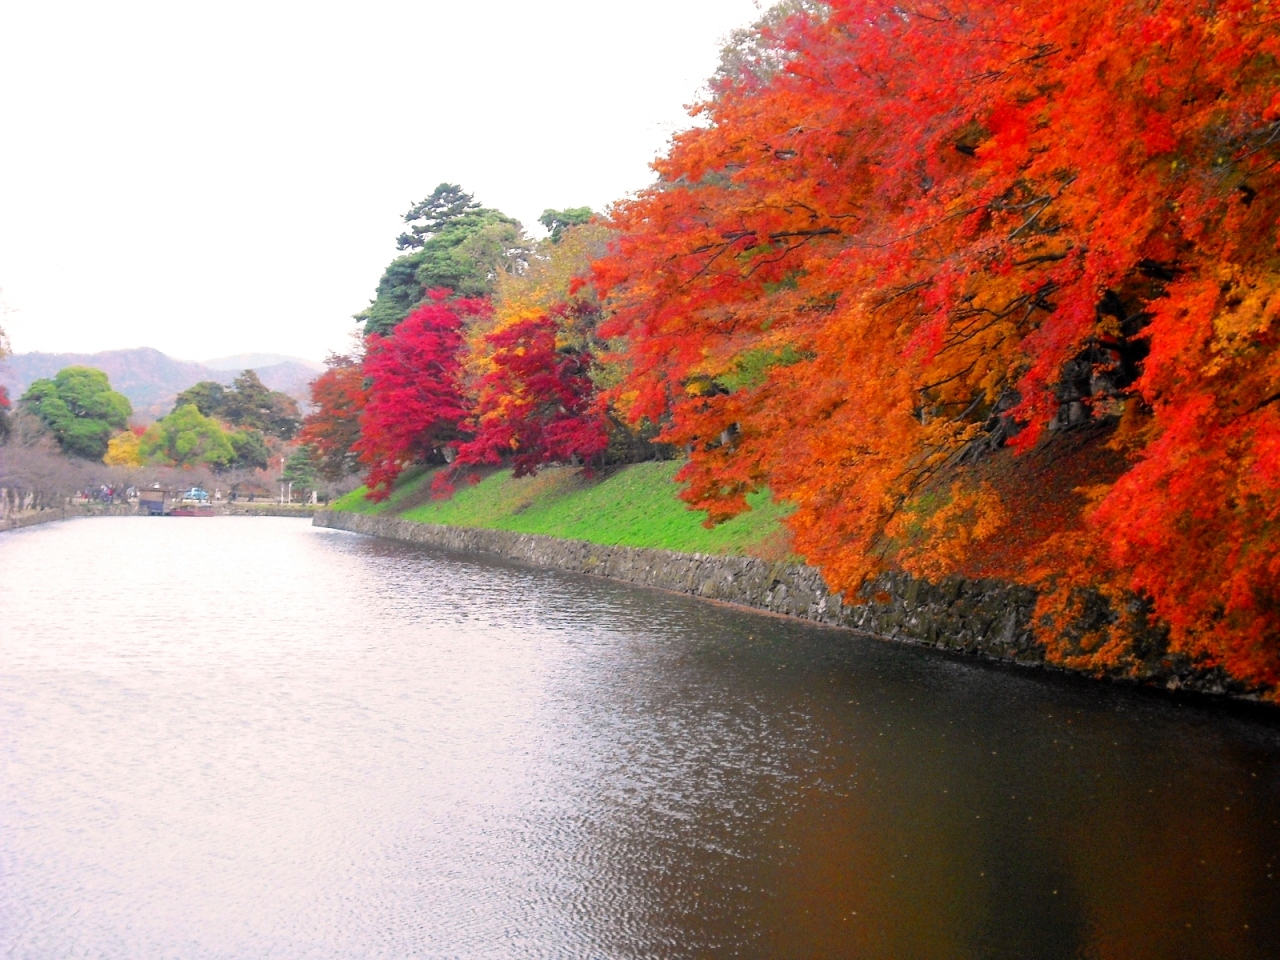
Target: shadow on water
x=447, y=756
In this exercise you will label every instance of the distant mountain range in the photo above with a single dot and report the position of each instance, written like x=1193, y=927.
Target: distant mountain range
x=151, y=380
x=257, y=361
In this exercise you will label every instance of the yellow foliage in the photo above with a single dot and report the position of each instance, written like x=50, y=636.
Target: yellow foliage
x=1251, y=307
x=968, y=517
x=123, y=450
x=551, y=271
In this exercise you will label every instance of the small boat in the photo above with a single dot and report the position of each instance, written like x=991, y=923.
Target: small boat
x=192, y=510
x=194, y=503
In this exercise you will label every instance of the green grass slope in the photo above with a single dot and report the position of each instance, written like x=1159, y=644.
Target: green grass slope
x=635, y=506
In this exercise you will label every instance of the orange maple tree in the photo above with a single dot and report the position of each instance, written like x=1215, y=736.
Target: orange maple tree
x=332, y=429
x=905, y=235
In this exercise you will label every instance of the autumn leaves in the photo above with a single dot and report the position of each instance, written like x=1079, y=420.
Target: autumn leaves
x=866, y=270
x=930, y=211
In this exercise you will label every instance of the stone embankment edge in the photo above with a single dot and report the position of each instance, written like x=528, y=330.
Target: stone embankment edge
x=34, y=517
x=986, y=618
x=972, y=618
x=242, y=509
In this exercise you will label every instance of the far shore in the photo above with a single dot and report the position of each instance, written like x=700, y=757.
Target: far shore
x=238, y=508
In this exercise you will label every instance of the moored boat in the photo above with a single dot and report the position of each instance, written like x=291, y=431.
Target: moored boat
x=192, y=510
x=194, y=503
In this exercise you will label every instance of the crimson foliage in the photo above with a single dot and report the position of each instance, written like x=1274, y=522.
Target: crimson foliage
x=416, y=409
x=536, y=404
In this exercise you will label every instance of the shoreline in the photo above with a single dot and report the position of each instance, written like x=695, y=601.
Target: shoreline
x=32, y=518
x=989, y=619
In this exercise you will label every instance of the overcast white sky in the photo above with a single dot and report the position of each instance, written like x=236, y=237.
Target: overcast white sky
x=227, y=177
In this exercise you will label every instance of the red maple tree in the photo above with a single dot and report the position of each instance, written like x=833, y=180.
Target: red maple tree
x=536, y=404
x=416, y=408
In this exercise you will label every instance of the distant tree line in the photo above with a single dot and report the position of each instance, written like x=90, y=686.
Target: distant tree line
x=71, y=433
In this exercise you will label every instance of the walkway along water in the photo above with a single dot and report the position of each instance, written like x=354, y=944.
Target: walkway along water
x=987, y=618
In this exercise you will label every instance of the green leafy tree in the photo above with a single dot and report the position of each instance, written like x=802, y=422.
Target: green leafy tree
x=80, y=409
x=209, y=397
x=251, y=452
x=557, y=220
x=250, y=404
x=187, y=438
x=456, y=245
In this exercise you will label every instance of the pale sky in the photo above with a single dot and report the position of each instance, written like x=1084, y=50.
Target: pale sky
x=228, y=177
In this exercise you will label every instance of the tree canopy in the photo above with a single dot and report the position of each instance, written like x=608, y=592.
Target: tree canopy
x=251, y=451
x=557, y=220
x=333, y=428
x=457, y=245
x=535, y=405
x=247, y=403
x=448, y=205
x=300, y=468
x=187, y=438
x=124, y=450
x=209, y=396
x=512, y=378
x=80, y=409
x=416, y=407
x=250, y=404
x=951, y=227
x=984, y=289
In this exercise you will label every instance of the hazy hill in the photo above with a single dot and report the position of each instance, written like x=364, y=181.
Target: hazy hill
x=259, y=362
x=149, y=378
x=292, y=377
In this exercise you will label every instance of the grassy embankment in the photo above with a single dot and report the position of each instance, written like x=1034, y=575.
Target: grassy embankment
x=635, y=506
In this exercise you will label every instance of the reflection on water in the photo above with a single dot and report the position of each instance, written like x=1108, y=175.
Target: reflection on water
x=243, y=737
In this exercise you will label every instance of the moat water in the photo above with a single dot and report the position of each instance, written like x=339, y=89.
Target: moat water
x=248, y=738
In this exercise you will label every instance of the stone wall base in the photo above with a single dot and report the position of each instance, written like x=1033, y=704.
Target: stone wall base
x=30, y=518
x=987, y=618
x=242, y=508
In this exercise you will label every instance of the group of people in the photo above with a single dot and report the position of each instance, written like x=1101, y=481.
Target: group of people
x=106, y=493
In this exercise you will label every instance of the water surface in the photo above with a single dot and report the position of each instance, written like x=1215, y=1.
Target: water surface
x=248, y=738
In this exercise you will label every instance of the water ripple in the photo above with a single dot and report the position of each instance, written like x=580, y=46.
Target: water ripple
x=249, y=738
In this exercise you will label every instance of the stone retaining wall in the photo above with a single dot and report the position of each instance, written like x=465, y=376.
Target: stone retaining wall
x=987, y=618
x=242, y=508
x=31, y=518
x=981, y=617
x=971, y=617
